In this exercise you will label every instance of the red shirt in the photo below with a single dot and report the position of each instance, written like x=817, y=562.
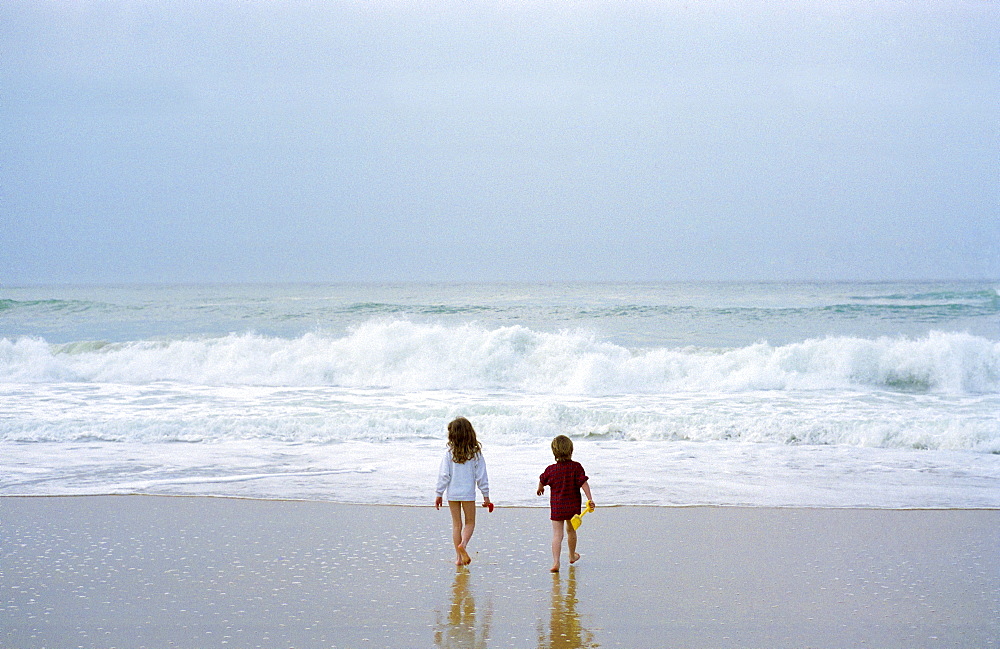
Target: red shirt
x=564, y=480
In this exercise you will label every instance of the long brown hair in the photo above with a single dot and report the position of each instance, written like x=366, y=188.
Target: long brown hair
x=462, y=441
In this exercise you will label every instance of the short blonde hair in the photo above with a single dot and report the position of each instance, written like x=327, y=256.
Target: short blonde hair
x=562, y=448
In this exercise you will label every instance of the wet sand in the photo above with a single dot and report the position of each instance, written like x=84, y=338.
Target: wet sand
x=156, y=572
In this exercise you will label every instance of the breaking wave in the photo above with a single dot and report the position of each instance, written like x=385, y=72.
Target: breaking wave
x=405, y=355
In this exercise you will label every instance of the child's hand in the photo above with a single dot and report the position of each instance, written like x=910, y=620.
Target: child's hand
x=438, y=502
x=591, y=506
x=488, y=505
x=541, y=490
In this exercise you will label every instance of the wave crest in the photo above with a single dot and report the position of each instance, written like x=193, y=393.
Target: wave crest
x=406, y=355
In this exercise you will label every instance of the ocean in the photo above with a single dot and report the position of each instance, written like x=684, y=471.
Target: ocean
x=883, y=395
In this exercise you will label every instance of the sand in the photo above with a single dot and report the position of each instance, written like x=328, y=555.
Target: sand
x=157, y=572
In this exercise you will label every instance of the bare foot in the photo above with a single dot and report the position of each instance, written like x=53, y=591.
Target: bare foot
x=576, y=557
x=554, y=568
x=463, y=557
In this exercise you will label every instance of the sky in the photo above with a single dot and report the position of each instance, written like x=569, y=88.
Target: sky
x=177, y=141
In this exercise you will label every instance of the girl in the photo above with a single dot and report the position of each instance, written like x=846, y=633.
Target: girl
x=565, y=478
x=462, y=469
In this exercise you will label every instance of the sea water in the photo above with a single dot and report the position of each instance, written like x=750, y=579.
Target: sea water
x=799, y=394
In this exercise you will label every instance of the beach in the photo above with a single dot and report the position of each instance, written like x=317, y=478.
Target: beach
x=257, y=257
x=155, y=571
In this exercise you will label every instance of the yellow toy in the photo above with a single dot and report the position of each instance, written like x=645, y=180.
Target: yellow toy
x=577, y=520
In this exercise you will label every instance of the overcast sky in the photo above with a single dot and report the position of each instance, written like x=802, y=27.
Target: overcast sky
x=220, y=141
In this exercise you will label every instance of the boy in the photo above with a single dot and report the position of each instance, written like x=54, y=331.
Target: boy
x=565, y=479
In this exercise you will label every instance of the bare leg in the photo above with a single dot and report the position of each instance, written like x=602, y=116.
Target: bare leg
x=469, y=509
x=461, y=532
x=456, y=529
x=571, y=542
x=557, y=538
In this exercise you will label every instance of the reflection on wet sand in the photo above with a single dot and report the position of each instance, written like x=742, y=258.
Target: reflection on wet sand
x=565, y=630
x=459, y=628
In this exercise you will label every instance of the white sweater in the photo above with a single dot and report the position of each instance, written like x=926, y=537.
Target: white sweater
x=460, y=480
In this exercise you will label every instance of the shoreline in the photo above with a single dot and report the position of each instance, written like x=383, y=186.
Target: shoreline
x=670, y=506
x=215, y=571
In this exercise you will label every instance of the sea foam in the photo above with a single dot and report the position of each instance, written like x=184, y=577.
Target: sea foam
x=401, y=354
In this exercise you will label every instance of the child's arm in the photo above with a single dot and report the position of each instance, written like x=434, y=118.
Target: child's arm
x=444, y=479
x=541, y=488
x=483, y=480
x=590, y=499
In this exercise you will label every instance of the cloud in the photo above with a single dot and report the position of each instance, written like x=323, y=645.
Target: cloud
x=520, y=140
